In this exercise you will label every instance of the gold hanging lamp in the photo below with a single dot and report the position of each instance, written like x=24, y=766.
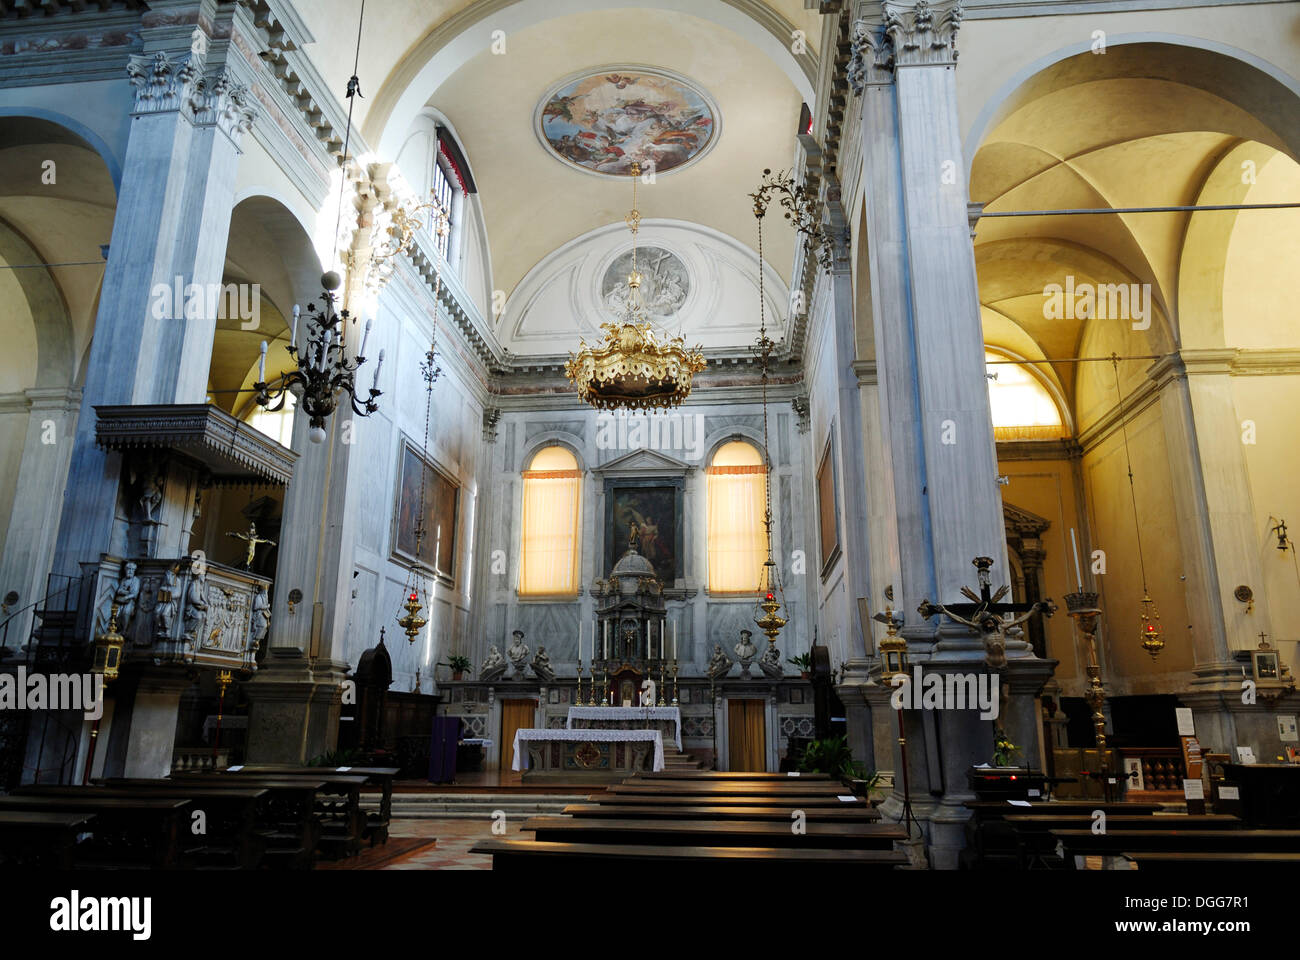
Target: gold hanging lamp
x=633, y=368
x=771, y=603
x=1149, y=631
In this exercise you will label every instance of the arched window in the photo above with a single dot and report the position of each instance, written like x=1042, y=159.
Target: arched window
x=552, y=522
x=737, y=491
x=1021, y=406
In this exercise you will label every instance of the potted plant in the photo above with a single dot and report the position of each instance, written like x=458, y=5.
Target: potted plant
x=459, y=666
x=803, y=662
x=834, y=756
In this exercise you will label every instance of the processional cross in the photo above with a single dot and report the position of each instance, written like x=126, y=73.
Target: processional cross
x=986, y=613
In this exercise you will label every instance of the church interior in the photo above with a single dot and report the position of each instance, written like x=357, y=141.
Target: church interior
x=509, y=436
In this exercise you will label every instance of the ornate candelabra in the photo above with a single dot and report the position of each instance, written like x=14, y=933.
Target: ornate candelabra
x=604, y=683
x=1082, y=608
x=674, y=680
x=662, y=684
x=324, y=371
x=578, y=699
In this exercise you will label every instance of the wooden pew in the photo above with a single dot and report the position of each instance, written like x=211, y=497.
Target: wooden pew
x=993, y=842
x=233, y=815
x=1084, y=842
x=1195, y=860
x=43, y=839
x=714, y=833
x=376, y=827
x=689, y=788
x=130, y=831
x=828, y=801
x=846, y=813
x=709, y=776
x=293, y=824
x=520, y=856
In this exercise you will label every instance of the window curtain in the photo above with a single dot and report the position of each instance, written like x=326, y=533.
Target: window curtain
x=737, y=542
x=552, y=504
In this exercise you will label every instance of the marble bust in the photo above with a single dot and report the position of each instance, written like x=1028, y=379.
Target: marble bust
x=745, y=652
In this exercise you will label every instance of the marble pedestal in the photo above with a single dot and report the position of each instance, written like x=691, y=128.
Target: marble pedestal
x=294, y=708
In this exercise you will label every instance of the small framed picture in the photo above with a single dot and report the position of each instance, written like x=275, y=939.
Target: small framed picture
x=1265, y=665
x=553, y=696
x=796, y=694
x=684, y=696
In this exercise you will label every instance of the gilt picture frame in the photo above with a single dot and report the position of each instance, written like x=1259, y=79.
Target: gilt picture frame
x=437, y=551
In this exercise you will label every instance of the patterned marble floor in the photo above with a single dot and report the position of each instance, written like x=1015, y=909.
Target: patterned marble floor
x=455, y=837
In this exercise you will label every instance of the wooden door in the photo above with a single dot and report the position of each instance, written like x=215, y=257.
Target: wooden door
x=747, y=735
x=515, y=714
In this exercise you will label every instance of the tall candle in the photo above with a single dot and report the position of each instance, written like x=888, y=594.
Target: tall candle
x=293, y=338
x=261, y=364
x=364, y=337
x=1078, y=571
x=674, y=640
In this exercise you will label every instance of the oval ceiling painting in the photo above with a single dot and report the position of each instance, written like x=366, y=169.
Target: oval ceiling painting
x=604, y=121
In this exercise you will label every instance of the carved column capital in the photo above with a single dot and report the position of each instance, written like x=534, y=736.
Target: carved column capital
x=871, y=57
x=165, y=83
x=923, y=33
x=225, y=103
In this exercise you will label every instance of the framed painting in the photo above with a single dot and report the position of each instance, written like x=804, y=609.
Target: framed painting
x=436, y=552
x=655, y=506
x=828, y=506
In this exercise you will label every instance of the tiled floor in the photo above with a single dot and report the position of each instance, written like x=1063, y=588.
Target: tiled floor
x=455, y=837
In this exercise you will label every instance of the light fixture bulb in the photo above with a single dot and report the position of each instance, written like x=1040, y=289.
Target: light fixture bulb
x=316, y=434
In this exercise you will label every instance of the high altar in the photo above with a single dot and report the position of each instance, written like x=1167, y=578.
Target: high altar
x=631, y=642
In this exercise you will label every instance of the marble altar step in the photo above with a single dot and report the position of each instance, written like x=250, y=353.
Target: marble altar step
x=679, y=762
x=451, y=806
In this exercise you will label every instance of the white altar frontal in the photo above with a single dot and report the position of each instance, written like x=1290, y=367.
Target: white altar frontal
x=594, y=752
x=667, y=720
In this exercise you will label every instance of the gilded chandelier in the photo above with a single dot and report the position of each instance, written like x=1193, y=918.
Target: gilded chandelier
x=633, y=368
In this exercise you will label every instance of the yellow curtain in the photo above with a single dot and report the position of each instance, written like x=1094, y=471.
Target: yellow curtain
x=737, y=543
x=551, y=518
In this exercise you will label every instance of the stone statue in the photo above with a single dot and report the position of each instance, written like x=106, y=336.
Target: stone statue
x=770, y=663
x=542, y=666
x=164, y=613
x=719, y=664
x=647, y=692
x=261, y=615
x=124, y=595
x=518, y=654
x=745, y=652
x=151, y=495
x=196, y=607
x=494, y=667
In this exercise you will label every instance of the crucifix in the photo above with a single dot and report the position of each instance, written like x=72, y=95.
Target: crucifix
x=986, y=613
x=252, y=539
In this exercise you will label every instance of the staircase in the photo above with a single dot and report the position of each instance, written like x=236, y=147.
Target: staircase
x=677, y=762
x=472, y=806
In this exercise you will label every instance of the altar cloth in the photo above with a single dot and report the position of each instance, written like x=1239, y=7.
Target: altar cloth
x=589, y=736
x=626, y=716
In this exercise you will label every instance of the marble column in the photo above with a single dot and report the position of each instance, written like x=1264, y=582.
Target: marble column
x=1216, y=522
x=934, y=396
x=34, y=520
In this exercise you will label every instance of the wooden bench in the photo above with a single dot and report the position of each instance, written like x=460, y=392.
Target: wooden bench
x=994, y=842
x=847, y=813
x=1084, y=842
x=732, y=800
x=711, y=776
x=41, y=839
x=130, y=831
x=530, y=856
x=1181, y=862
x=690, y=788
x=232, y=817
x=376, y=825
x=713, y=833
x=289, y=826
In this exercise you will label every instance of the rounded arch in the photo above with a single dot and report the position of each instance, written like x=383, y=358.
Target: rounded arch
x=1273, y=92
x=718, y=437
x=551, y=438
x=448, y=47
x=90, y=138
x=1044, y=383
x=51, y=322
